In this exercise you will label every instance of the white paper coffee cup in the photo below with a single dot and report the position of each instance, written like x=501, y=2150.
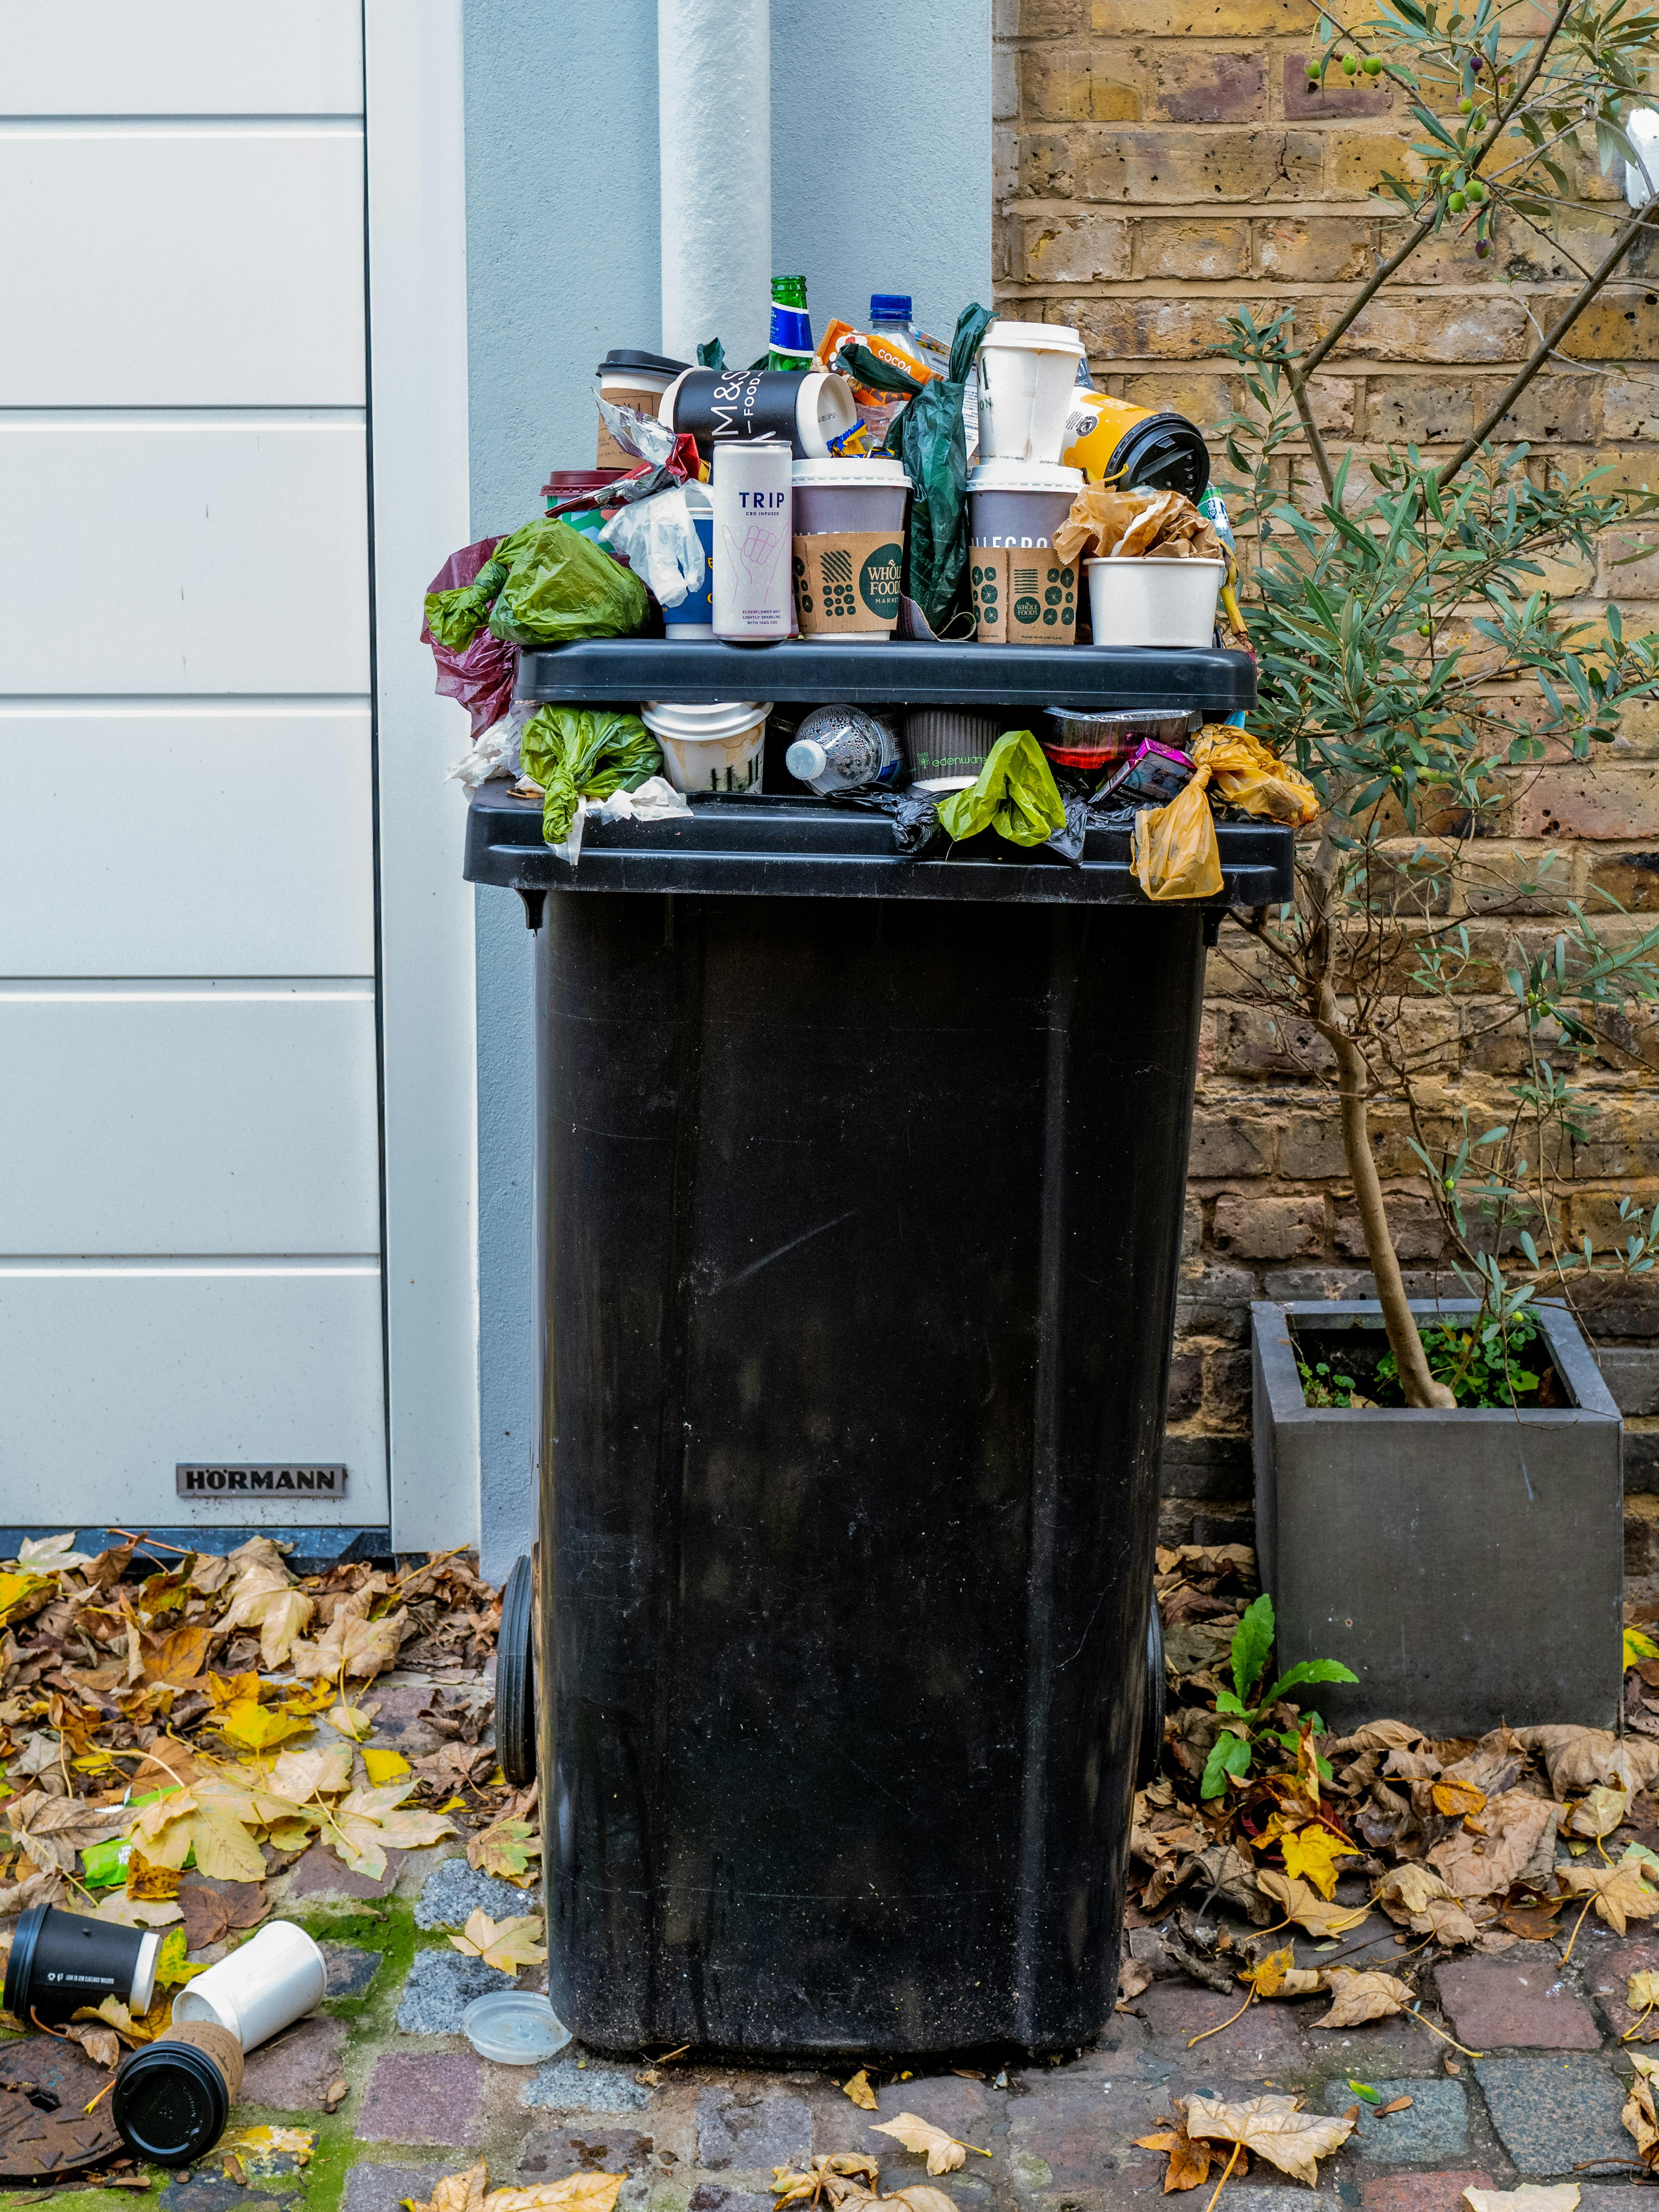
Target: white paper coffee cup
x=275, y=1979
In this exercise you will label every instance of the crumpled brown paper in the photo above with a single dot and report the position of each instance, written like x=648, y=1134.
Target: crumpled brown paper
x=1164, y=526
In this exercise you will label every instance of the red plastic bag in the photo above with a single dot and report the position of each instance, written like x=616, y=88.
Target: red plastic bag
x=483, y=677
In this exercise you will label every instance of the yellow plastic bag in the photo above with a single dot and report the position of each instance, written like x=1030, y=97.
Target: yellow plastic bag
x=1176, y=853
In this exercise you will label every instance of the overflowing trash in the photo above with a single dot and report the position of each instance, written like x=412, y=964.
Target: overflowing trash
x=872, y=489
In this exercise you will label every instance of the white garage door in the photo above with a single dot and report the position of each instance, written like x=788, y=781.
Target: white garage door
x=190, y=1101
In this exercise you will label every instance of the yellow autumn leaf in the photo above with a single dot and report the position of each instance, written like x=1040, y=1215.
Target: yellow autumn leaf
x=507, y=1945
x=1642, y=1991
x=352, y=1648
x=861, y=2093
x=1189, y=2161
x=1456, y=1799
x=284, y=1615
x=1310, y=1854
x=363, y=1822
x=840, y=2177
x=384, y=1766
x=1357, y=1997
x=1637, y=1648
x=23, y=1595
x=1272, y=2128
x=574, y=2193
x=262, y=2150
x=1621, y=1893
x=1602, y=1812
x=1298, y=1902
x=352, y=1721
x=302, y=1775
x=944, y=2154
x=211, y=1821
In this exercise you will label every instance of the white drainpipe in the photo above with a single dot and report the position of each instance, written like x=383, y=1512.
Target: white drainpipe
x=715, y=129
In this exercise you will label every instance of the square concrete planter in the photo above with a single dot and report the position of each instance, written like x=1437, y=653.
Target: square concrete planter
x=1468, y=1567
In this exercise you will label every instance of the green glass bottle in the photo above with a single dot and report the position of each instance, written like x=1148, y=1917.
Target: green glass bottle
x=792, y=326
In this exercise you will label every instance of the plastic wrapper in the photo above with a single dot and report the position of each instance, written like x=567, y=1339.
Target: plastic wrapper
x=636, y=432
x=1016, y=795
x=654, y=800
x=562, y=586
x=480, y=674
x=1152, y=772
x=659, y=540
x=580, y=752
x=1176, y=856
x=496, y=753
x=1164, y=524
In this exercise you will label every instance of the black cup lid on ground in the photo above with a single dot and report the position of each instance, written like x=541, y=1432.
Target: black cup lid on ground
x=656, y=364
x=170, y=2103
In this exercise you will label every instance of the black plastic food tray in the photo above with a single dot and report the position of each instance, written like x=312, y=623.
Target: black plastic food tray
x=1012, y=678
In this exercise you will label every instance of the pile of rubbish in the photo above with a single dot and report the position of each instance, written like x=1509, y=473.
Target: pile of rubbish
x=878, y=485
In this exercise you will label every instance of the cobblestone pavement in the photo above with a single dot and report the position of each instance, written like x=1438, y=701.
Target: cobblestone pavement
x=1540, y=2103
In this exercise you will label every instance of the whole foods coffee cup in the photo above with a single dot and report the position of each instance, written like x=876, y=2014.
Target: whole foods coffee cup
x=173, y=2098
x=718, y=747
x=1022, y=596
x=1027, y=376
x=752, y=532
x=804, y=412
x=632, y=380
x=59, y=1961
x=849, y=547
x=275, y=1978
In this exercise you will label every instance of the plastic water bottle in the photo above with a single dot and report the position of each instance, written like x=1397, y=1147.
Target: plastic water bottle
x=843, y=749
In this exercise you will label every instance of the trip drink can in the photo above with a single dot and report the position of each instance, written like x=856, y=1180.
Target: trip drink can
x=752, y=497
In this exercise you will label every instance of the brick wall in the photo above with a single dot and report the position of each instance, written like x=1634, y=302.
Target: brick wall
x=1157, y=162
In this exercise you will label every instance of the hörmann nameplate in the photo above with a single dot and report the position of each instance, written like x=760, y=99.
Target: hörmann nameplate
x=312, y=1481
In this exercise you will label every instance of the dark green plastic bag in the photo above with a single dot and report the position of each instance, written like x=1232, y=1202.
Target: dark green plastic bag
x=1016, y=795
x=455, y=617
x=576, y=752
x=561, y=586
x=927, y=436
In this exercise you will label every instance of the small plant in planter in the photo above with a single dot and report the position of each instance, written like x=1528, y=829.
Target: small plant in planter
x=1399, y=607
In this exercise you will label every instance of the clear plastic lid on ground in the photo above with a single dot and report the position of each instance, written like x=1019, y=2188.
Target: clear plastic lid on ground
x=514, y=2028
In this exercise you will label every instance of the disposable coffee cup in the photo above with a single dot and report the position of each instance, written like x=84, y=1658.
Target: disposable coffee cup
x=636, y=380
x=947, y=746
x=59, y=1961
x=271, y=1981
x=849, y=547
x=712, y=748
x=803, y=411
x=694, y=615
x=1019, y=504
x=1022, y=596
x=173, y=2098
x=1145, y=601
x=1027, y=375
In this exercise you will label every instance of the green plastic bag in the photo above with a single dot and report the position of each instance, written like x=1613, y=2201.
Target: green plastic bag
x=455, y=617
x=1016, y=795
x=561, y=586
x=577, y=752
x=927, y=436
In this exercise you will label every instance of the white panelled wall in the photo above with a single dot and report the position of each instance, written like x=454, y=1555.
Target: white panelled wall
x=192, y=987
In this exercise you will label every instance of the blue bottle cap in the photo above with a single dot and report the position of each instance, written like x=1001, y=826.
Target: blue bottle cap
x=890, y=306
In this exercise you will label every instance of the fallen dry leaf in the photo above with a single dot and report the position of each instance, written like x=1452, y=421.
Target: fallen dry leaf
x=1274, y=2128
x=861, y=2093
x=334, y=2096
x=1396, y=2104
x=1456, y=1799
x=1306, y=1907
x=840, y=2175
x=507, y=1945
x=262, y=2150
x=1189, y=2161
x=1637, y=2116
x=1517, y=1825
x=1602, y=1812
x=1577, y=1757
x=208, y=1819
x=945, y=2153
x=1134, y=1977
x=1407, y=1890
x=365, y=1821
x=1310, y=1855
x=352, y=1648
x=1620, y=1892
x=1278, y=1975
x=575, y=2192
x=1357, y=1997
x=1557, y=2197
x=1642, y=1991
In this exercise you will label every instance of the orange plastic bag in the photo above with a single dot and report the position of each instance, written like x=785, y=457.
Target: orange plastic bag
x=1176, y=853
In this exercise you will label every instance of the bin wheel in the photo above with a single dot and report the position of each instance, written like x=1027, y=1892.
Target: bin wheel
x=515, y=1678
x=1151, y=1703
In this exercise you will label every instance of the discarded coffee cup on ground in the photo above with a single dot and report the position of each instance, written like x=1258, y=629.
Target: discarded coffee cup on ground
x=1027, y=375
x=948, y=746
x=275, y=1978
x=848, y=548
x=1140, y=600
x=173, y=2098
x=751, y=529
x=694, y=618
x=1093, y=745
x=718, y=747
x=1136, y=448
x=59, y=1961
x=632, y=380
x=845, y=749
x=805, y=413
x=514, y=2028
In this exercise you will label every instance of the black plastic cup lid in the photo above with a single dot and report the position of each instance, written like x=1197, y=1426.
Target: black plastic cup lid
x=170, y=2103
x=657, y=364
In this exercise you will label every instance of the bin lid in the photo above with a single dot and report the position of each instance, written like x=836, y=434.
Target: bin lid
x=799, y=846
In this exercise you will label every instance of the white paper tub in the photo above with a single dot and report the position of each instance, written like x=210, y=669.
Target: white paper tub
x=712, y=748
x=277, y=1977
x=1027, y=375
x=1152, y=602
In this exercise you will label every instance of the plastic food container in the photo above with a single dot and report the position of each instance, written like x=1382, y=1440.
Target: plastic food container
x=1095, y=743
x=712, y=748
x=514, y=2028
x=1146, y=601
x=1027, y=375
x=694, y=615
x=1019, y=503
x=275, y=1978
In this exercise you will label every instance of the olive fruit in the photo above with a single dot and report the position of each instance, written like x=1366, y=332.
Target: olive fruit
x=1372, y=65
x=1455, y=201
x=1350, y=64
